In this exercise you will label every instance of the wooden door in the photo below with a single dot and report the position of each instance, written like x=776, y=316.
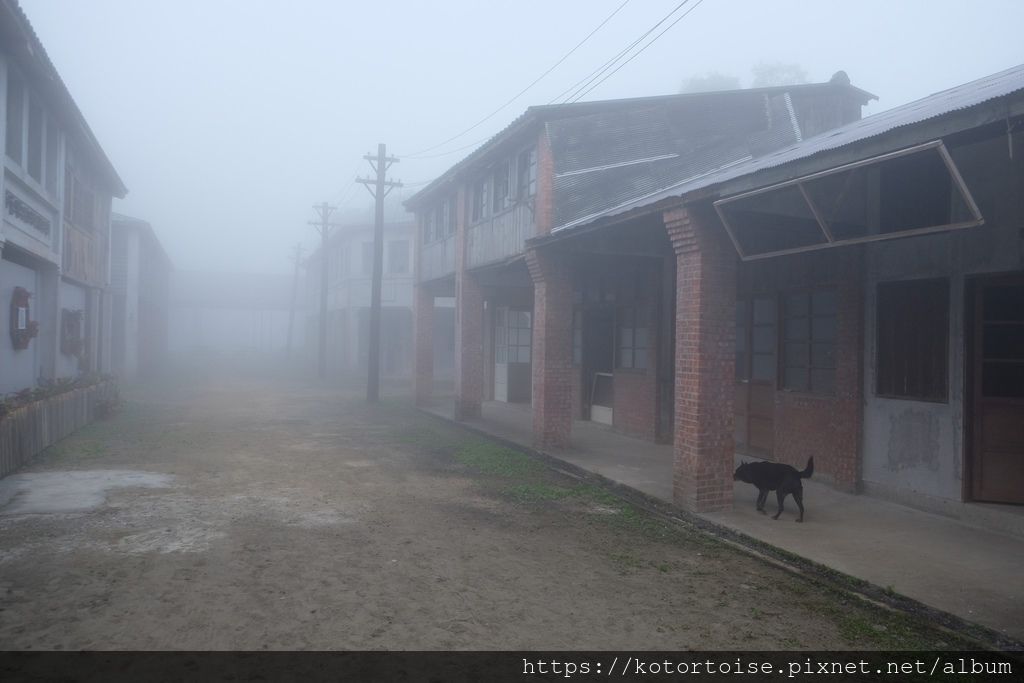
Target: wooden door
x=997, y=407
x=756, y=370
x=598, y=350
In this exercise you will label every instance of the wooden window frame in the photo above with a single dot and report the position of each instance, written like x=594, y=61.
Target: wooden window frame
x=782, y=355
x=945, y=284
x=627, y=319
x=526, y=173
x=481, y=200
x=501, y=186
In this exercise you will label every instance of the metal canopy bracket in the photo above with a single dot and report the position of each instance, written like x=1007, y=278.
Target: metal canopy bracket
x=828, y=235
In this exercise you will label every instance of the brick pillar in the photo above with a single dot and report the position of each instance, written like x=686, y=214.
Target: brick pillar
x=469, y=346
x=551, y=356
x=705, y=360
x=423, y=338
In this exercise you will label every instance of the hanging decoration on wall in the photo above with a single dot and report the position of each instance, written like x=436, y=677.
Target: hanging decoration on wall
x=23, y=328
x=71, y=342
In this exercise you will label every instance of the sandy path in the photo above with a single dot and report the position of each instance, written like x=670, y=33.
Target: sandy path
x=245, y=514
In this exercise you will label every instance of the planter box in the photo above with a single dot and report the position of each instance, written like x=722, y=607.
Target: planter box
x=32, y=428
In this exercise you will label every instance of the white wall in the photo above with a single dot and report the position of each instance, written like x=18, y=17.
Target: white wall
x=18, y=369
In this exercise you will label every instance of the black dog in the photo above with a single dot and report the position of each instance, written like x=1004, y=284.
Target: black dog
x=774, y=476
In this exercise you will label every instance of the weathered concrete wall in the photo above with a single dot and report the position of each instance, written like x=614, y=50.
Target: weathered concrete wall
x=914, y=450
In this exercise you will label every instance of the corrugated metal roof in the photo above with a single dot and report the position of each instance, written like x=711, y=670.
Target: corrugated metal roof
x=608, y=158
x=960, y=97
x=713, y=102
x=25, y=45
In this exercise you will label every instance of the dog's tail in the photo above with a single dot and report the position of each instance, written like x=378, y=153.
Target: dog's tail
x=809, y=470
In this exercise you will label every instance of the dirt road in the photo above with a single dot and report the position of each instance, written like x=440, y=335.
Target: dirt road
x=216, y=513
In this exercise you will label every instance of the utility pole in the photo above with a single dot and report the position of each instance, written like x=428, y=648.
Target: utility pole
x=297, y=257
x=323, y=226
x=379, y=188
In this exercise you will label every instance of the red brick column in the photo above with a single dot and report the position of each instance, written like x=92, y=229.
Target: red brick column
x=551, y=356
x=469, y=346
x=705, y=360
x=423, y=338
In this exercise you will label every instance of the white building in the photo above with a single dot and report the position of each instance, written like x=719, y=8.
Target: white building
x=140, y=273
x=57, y=186
x=349, y=274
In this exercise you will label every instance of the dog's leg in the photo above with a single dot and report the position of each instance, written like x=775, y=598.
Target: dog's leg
x=781, y=496
x=762, y=496
x=798, y=496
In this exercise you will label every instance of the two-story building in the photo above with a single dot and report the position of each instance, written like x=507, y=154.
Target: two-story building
x=855, y=293
x=858, y=297
x=349, y=280
x=560, y=166
x=57, y=185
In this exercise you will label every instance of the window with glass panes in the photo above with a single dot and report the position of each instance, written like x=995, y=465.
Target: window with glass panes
x=526, y=169
x=913, y=339
x=809, y=341
x=519, y=336
x=633, y=339
x=756, y=339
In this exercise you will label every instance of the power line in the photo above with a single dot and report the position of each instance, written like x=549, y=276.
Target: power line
x=453, y=151
x=570, y=94
x=606, y=65
x=640, y=51
x=416, y=155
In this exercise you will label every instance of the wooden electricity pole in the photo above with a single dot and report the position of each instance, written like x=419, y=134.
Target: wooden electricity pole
x=295, y=293
x=379, y=187
x=323, y=226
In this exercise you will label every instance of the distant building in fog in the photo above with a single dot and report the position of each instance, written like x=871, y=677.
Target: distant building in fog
x=140, y=283
x=232, y=312
x=349, y=273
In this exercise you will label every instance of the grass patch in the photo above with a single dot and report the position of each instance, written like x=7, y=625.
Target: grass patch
x=536, y=492
x=496, y=460
x=429, y=438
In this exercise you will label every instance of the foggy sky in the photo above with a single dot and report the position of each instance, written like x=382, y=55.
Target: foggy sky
x=227, y=120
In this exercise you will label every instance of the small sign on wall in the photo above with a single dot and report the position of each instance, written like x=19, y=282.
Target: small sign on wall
x=23, y=328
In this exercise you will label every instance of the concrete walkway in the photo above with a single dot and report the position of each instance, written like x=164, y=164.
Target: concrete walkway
x=953, y=566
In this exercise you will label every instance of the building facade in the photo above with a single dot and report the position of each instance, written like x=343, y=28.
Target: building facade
x=561, y=166
x=851, y=293
x=57, y=186
x=349, y=280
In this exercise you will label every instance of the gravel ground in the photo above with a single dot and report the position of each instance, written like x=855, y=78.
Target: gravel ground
x=226, y=512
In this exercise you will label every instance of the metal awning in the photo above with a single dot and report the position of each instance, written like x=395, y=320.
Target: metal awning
x=913, y=191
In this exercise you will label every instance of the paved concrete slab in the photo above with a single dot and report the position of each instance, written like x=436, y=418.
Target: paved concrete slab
x=69, y=492
x=964, y=569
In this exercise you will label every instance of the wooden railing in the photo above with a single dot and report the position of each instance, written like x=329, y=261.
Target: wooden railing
x=84, y=257
x=501, y=236
x=437, y=259
x=32, y=428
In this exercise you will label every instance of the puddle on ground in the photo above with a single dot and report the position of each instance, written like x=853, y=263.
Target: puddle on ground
x=68, y=492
